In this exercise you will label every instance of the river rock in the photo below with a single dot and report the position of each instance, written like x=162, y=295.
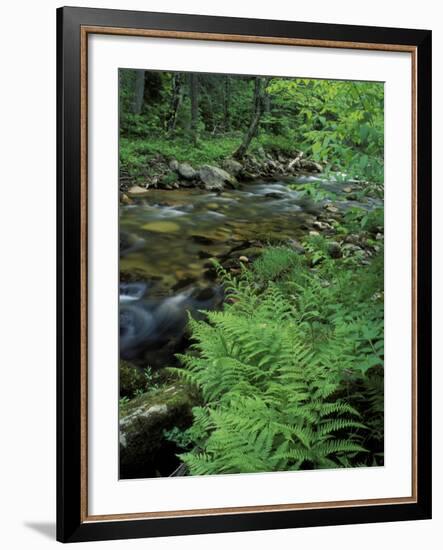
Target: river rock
x=186, y=171
x=173, y=164
x=311, y=165
x=130, y=242
x=161, y=226
x=296, y=246
x=331, y=208
x=144, y=449
x=249, y=176
x=232, y=167
x=201, y=239
x=124, y=199
x=350, y=249
x=137, y=190
x=322, y=226
x=215, y=179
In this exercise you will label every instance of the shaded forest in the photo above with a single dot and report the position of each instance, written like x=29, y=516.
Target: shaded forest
x=200, y=118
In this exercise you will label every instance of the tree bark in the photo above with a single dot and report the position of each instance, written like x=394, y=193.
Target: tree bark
x=139, y=92
x=226, y=105
x=177, y=96
x=257, y=111
x=193, y=85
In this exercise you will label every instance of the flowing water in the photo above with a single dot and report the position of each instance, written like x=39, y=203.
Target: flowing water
x=167, y=240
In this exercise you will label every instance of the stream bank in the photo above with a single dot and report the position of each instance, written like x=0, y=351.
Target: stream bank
x=169, y=239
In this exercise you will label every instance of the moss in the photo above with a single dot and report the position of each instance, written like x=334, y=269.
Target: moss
x=131, y=379
x=174, y=394
x=169, y=178
x=144, y=450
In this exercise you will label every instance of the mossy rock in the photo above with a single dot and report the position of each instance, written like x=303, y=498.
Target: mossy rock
x=131, y=379
x=144, y=450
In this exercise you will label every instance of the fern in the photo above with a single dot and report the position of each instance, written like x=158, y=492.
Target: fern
x=281, y=367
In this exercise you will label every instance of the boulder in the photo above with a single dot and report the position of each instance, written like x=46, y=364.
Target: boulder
x=215, y=179
x=173, y=164
x=233, y=167
x=144, y=449
x=186, y=171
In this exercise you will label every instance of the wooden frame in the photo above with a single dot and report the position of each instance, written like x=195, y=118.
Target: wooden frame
x=73, y=26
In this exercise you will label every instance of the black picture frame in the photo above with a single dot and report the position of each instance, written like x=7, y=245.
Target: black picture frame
x=72, y=526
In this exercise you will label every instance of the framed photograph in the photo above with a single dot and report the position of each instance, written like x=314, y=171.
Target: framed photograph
x=244, y=274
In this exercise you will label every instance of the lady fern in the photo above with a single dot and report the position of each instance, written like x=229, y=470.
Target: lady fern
x=273, y=399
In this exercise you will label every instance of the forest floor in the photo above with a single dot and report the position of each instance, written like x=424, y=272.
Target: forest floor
x=156, y=163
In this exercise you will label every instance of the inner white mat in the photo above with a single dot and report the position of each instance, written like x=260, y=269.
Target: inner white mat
x=108, y=495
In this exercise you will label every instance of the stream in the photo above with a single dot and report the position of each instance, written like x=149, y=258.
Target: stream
x=167, y=240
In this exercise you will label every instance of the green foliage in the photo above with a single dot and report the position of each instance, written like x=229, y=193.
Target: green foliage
x=169, y=178
x=136, y=154
x=123, y=403
x=131, y=379
x=135, y=381
x=280, y=369
x=178, y=436
x=338, y=123
x=368, y=220
x=275, y=263
x=313, y=191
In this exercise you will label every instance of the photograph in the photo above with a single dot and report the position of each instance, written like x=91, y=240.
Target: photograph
x=251, y=273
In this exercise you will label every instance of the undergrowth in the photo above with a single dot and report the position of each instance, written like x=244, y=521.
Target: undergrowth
x=291, y=371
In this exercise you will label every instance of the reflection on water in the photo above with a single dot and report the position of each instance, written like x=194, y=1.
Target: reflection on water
x=170, y=235
x=167, y=240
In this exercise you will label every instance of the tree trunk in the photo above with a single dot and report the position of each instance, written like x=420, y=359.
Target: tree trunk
x=177, y=96
x=267, y=103
x=139, y=92
x=257, y=110
x=226, y=105
x=193, y=85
